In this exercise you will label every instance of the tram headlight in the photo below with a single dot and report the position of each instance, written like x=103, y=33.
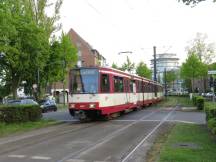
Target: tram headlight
x=72, y=105
x=92, y=105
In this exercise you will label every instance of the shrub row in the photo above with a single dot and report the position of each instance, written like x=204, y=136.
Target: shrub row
x=199, y=102
x=19, y=113
x=210, y=109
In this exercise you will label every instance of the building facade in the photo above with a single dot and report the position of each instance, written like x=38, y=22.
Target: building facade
x=87, y=57
x=167, y=62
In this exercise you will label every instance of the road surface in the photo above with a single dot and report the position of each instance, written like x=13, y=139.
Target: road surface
x=125, y=139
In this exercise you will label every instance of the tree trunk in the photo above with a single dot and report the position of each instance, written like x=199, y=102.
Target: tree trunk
x=192, y=85
x=15, y=83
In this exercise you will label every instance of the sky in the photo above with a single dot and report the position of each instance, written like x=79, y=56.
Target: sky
x=115, y=26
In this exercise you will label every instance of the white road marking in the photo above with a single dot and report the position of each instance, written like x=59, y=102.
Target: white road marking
x=40, y=158
x=178, y=121
x=146, y=137
x=182, y=121
x=124, y=120
x=104, y=140
x=70, y=120
x=75, y=160
x=136, y=120
x=17, y=156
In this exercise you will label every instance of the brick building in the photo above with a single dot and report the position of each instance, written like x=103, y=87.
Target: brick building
x=87, y=57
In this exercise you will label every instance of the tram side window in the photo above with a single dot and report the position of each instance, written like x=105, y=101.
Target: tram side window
x=118, y=84
x=132, y=88
x=126, y=85
x=105, y=86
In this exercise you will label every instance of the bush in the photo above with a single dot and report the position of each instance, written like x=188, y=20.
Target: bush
x=194, y=99
x=210, y=109
x=200, y=102
x=19, y=113
x=212, y=123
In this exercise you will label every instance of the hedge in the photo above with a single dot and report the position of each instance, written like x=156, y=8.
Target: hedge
x=198, y=101
x=19, y=113
x=210, y=109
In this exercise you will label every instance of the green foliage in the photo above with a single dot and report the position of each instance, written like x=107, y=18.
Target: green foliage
x=212, y=123
x=212, y=66
x=210, y=109
x=25, y=34
x=114, y=66
x=19, y=113
x=204, y=51
x=188, y=133
x=194, y=99
x=171, y=76
x=143, y=71
x=63, y=56
x=7, y=129
x=128, y=65
x=172, y=101
x=193, y=68
x=200, y=102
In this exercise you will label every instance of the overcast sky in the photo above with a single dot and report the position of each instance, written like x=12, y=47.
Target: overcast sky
x=113, y=26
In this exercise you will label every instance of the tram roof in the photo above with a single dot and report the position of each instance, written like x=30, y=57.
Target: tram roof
x=109, y=69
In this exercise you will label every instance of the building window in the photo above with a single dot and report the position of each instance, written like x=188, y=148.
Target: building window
x=105, y=86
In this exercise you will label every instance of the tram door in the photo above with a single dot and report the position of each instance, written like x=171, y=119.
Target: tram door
x=133, y=92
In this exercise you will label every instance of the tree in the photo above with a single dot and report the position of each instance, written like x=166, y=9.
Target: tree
x=193, y=68
x=63, y=56
x=212, y=66
x=204, y=51
x=192, y=2
x=114, y=66
x=25, y=32
x=128, y=66
x=171, y=76
x=143, y=71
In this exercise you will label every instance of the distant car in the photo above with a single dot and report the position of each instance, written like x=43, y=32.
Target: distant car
x=48, y=105
x=209, y=94
x=22, y=102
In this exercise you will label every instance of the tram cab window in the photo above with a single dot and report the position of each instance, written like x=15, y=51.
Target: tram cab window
x=105, y=86
x=118, y=84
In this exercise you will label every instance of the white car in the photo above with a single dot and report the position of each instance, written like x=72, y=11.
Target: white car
x=209, y=94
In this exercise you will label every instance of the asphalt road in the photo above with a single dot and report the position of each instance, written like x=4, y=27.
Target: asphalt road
x=126, y=138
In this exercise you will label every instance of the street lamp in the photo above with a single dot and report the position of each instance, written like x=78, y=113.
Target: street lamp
x=123, y=52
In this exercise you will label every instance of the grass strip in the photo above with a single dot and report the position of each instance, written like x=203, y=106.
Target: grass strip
x=189, y=133
x=172, y=101
x=8, y=129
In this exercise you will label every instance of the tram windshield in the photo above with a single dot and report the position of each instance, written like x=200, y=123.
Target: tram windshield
x=84, y=81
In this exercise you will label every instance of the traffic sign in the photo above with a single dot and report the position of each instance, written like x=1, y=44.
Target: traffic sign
x=212, y=72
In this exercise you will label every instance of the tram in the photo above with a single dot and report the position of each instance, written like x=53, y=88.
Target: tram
x=104, y=92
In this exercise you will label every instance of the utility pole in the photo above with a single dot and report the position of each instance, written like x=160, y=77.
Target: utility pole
x=63, y=79
x=155, y=62
x=165, y=82
x=38, y=83
x=155, y=70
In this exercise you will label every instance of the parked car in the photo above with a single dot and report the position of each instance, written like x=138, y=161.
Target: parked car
x=22, y=102
x=48, y=105
x=209, y=94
